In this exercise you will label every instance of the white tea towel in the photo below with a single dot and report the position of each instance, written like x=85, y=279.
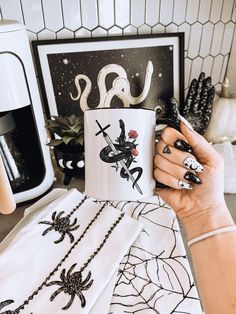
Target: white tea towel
x=42, y=263
x=147, y=280
x=102, y=304
x=155, y=276
x=29, y=214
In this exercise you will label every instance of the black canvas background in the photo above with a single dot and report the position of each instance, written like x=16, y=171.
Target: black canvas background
x=65, y=66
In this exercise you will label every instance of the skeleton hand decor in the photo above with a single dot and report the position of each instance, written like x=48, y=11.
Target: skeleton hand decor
x=120, y=87
x=198, y=104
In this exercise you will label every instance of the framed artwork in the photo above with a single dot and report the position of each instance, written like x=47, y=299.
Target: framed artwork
x=131, y=71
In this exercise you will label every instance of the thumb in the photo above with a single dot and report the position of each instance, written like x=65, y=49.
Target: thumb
x=203, y=151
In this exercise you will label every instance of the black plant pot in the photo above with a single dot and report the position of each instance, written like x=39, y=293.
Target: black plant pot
x=70, y=160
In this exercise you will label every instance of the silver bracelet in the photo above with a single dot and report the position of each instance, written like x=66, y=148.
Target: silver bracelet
x=211, y=234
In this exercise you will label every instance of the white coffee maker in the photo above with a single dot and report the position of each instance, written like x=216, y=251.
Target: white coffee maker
x=23, y=137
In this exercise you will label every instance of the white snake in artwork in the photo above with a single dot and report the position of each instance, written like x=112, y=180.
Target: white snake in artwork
x=120, y=87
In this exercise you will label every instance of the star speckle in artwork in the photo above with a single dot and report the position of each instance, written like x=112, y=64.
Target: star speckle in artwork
x=65, y=61
x=64, y=67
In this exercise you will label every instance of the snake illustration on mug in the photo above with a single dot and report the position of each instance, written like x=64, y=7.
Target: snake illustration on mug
x=122, y=153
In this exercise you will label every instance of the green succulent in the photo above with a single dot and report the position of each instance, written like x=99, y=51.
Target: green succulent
x=69, y=128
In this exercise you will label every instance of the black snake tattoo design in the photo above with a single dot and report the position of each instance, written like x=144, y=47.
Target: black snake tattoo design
x=123, y=151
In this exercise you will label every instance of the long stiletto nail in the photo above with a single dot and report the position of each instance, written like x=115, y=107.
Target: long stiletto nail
x=188, y=125
x=184, y=146
x=184, y=185
x=193, y=164
x=192, y=178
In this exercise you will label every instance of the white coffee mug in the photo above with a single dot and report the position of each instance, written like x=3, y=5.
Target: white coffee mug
x=119, y=150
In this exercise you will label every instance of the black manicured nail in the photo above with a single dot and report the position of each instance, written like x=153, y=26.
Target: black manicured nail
x=192, y=177
x=184, y=146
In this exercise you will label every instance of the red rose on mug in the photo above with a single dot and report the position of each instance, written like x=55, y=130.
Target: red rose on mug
x=132, y=134
x=134, y=152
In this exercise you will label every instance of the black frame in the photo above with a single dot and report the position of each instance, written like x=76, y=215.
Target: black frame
x=45, y=50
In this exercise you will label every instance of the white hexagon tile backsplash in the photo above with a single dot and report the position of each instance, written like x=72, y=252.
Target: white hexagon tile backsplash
x=209, y=25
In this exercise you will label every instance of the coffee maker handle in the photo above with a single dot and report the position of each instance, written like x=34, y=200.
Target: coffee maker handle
x=174, y=124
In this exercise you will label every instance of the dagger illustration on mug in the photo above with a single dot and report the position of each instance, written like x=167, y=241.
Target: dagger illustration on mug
x=115, y=152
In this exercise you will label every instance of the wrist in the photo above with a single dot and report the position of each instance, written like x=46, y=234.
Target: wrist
x=206, y=220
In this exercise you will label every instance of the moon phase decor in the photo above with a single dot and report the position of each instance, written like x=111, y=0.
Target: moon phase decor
x=129, y=71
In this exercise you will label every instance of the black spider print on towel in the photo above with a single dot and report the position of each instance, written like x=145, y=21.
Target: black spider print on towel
x=61, y=225
x=73, y=284
x=6, y=303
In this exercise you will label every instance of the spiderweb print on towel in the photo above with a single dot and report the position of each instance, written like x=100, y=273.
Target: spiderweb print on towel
x=154, y=276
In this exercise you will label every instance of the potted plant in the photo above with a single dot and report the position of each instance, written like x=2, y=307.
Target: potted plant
x=69, y=147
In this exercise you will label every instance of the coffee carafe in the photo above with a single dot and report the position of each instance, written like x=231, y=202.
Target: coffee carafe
x=11, y=152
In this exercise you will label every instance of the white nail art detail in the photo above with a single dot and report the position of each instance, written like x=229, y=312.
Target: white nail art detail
x=193, y=164
x=184, y=185
x=186, y=122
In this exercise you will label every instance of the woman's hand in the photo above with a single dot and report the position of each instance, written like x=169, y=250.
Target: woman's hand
x=201, y=208
x=194, y=174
